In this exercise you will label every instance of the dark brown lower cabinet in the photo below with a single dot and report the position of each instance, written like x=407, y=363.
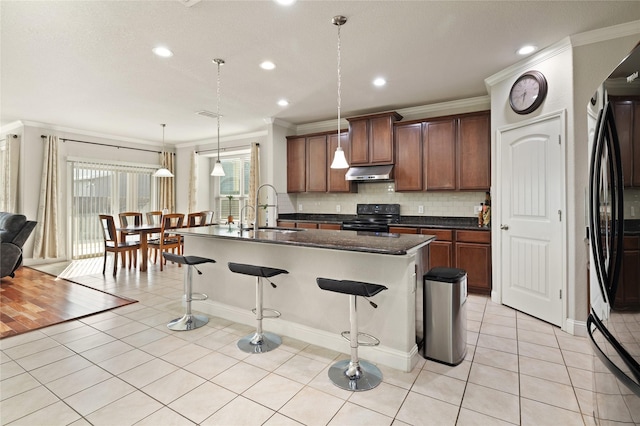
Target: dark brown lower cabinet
x=628, y=292
x=330, y=226
x=468, y=250
x=402, y=230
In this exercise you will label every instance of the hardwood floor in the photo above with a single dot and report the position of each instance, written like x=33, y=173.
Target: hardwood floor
x=34, y=300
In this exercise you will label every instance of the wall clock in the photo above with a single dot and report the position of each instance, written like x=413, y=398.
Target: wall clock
x=528, y=92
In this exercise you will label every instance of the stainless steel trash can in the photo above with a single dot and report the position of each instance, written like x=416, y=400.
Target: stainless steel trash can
x=445, y=315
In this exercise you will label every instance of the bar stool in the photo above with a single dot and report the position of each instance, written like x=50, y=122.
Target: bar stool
x=259, y=341
x=354, y=374
x=188, y=321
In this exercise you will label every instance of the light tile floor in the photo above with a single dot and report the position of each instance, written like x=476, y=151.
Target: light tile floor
x=124, y=367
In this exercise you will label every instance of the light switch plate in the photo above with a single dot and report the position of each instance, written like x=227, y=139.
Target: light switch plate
x=420, y=209
x=338, y=208
x=299, y=207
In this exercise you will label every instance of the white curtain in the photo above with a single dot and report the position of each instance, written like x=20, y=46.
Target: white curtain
x=193, y=183
x=9, y=162
x=254, y=180
x=167, y=197
x=46, y=232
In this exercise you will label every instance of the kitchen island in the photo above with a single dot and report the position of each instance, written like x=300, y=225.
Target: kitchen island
x=308, y=313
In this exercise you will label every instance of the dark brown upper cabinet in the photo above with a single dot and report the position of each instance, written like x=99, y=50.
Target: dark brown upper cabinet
x=316, y=164
x=296, y=164
x=371, y=138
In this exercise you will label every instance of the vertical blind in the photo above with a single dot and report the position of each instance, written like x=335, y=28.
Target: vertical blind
x=101, y=188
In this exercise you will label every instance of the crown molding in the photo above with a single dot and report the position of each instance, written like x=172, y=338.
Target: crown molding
x=604, y=34
x=519, y=67
x=11, y=126
x=56, y=128
x=203, y=142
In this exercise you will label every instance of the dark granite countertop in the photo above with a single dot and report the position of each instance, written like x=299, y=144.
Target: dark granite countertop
x=469, y=223
x=368, y=242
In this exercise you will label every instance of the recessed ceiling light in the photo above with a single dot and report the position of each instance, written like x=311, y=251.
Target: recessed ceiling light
x=285, y=2
x=267, y=65
x=525, y=50
x=162, y=52
x=379, y=82
x=283, y=102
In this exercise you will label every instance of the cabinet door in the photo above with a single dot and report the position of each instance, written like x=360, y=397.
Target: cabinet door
x=476, y=260
x=408, y=166
x=440, y=250
x=335, y=177
x=359, y=138
x=381, y=140
x=317, y=164
x=623, y=114
x=440, y=155
x=474, y=152
x=628, y=292
x=296, y=170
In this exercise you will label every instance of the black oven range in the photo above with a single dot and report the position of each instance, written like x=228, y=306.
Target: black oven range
x=373, y=218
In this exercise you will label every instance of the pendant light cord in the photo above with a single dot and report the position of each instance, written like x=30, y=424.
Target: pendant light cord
x=163, y=155
x=339, y=86
x=218, y=61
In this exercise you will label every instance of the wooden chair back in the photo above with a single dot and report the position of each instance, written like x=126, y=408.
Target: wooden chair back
x=130, y=218
x=208, y=218
x=172, y=221
x=109, y=229
x=154, y=218
x=196, y=219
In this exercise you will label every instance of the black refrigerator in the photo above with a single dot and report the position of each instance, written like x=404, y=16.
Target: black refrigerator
x=614, y=333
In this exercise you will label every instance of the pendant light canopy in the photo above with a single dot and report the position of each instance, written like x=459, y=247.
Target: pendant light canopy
x=217, y=169
x=163, y=171
x=339, y=160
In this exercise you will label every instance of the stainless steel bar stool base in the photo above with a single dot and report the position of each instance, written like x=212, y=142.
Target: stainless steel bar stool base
x=257, y=344
x=187, y=322
x=366, y=377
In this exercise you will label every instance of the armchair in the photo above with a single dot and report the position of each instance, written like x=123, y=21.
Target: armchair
x=14, y=231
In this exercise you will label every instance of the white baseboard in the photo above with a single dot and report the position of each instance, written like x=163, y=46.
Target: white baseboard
x=576, y=328
x=378, y=355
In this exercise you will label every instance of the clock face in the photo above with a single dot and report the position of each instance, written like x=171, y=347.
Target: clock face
x=528, y=92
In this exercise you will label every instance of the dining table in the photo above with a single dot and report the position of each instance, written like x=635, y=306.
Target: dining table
x=144, y=231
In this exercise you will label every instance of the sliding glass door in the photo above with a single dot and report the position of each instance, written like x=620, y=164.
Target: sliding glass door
x=102, y=188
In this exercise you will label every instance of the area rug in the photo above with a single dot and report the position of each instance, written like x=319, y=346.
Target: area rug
x=34, y=300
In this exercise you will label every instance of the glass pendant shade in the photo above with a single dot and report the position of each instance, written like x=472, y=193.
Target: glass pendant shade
x=163, y=171
x=217, y=169
x=339, y=160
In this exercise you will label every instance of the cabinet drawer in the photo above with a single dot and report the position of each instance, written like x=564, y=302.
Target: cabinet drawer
x=307, y=225
x=473, y=236
x=441, y=234
x=285, y=224
x=402, y=230
x=332, y=226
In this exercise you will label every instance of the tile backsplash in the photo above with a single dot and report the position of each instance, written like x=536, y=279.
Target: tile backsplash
x=453, y=204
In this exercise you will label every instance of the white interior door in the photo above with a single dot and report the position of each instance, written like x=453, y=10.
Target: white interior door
x=532, y=240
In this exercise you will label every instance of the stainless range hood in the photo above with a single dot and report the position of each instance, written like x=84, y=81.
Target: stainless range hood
x=369, y=173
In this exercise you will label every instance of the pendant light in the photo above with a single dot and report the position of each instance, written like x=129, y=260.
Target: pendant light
x=339, y=160
x=217, y=169
x=163, y=171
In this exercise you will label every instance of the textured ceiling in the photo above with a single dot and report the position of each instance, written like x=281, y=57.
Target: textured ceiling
x=88, y=65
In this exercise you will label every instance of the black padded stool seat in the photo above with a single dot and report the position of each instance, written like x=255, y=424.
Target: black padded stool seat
x=260, y=341
x=255, y=271
x=188, y=321
x=354, y=374
x=355, y=288
x=187, y=260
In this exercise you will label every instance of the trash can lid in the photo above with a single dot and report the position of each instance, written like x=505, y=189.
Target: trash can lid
x=443, y=274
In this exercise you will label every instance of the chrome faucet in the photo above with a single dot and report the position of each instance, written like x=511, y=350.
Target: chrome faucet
x=241, y=217
x=275, y=205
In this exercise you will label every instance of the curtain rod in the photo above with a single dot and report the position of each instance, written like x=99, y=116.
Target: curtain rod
x=226, y=148
x=105, y=144
x=13, y=136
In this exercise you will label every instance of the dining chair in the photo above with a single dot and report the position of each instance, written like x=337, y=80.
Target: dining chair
x=129, y=219
x=111, y=244
x=154, y=218
x=168, y=240
x=196, y=219
x=208, y=220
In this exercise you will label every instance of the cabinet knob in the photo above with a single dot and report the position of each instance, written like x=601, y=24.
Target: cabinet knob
x=504, y=227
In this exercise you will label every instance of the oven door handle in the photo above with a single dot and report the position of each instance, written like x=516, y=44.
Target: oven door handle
x=594, y=322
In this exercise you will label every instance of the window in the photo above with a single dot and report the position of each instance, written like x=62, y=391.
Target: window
x=233, y=189
x=101, y=188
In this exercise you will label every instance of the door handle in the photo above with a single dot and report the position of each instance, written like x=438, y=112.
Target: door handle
x=504, y=227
